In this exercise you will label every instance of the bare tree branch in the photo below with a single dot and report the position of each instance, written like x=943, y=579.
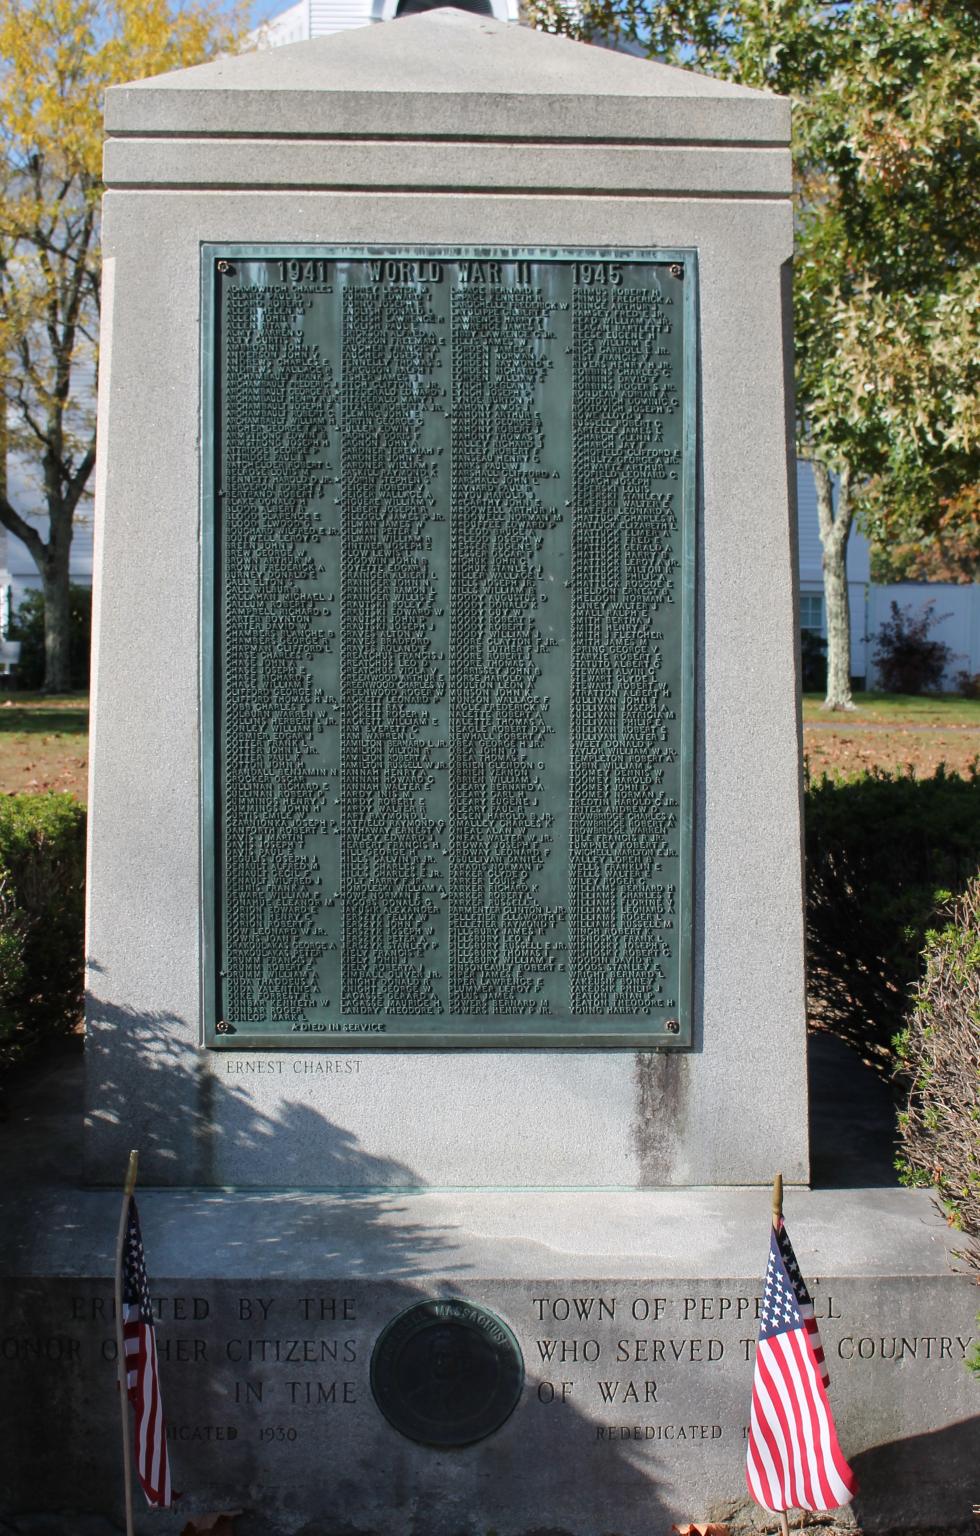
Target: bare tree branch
x=23, y=530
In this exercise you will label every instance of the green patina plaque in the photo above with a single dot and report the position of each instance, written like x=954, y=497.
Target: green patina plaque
x=447, y=1372
x=448, y=616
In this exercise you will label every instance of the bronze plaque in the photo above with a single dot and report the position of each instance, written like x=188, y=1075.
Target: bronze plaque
x=447, y=1372
x=448, y=626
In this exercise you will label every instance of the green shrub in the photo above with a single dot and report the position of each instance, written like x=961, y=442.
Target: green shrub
x=42, y=857
x=27, y=626
x=884, y=852
x=907, y=661
x=12, y=929
x=939, y=1061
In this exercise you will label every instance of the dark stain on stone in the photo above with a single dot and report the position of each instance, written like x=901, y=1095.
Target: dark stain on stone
x=660, y=1113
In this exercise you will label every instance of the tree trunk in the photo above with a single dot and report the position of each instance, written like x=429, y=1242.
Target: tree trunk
x=835, y=527
x=57, y=626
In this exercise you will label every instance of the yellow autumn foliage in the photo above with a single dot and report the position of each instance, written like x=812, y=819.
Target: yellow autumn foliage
x=57, y=57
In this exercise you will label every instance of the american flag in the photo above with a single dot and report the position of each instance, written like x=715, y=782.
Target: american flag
x=142, y=1375
x=794, y=1460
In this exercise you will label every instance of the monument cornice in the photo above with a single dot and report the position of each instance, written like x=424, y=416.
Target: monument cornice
x=443, y=75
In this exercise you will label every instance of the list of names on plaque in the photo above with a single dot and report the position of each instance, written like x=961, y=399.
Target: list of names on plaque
x=452, y=696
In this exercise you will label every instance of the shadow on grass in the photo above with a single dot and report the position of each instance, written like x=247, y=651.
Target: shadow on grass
x=36, y=715
x=884, y=852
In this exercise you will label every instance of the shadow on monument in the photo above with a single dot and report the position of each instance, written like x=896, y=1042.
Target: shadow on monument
x=148, y=1074
x=853, y=1129
x=355, y=1473
x=903, y=1481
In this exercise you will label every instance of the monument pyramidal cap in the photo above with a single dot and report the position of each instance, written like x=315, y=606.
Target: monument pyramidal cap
x=445, y=936
x=443, y=73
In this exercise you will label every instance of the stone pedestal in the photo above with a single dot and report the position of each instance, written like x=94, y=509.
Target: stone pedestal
x=635, y=1314
x=444, y=130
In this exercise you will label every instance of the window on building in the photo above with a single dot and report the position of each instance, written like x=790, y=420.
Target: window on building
x=811, y=611
x=414, y=7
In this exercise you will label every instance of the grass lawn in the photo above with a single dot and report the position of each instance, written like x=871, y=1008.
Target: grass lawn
x=947, y=710
x=893, y=731
x=44, y=742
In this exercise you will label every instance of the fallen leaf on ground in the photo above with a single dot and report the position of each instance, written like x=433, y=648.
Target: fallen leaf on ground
x=701, y=1530
x=220, y=1524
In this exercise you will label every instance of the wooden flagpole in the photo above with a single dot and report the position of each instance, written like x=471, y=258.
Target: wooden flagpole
x=777, y=1216
x=121, y=1342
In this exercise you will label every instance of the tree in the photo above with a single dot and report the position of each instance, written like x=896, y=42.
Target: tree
x=56, y=59
x=946, y=548
x=886, y=149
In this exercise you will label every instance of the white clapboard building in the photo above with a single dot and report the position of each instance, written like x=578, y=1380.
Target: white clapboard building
x=18, y=573
x=318, y=18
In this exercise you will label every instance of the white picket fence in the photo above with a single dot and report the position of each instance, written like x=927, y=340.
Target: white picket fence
x=957, y=613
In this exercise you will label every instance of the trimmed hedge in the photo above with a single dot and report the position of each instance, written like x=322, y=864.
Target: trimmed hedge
x=42, y=919
x=939, y=1059
x=884, y=854
x=12, y=929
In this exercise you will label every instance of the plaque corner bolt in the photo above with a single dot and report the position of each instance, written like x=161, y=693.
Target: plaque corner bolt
x=224, y=266
x=676, y=269
x=224, y=1028
x=672, y=1026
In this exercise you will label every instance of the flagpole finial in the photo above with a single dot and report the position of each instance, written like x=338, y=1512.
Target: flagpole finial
x=777, y=1199
x=134, y=1159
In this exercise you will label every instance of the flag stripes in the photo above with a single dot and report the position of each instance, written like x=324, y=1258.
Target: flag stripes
x=142, y=1374
x=794, y=1459
x=813, y=1334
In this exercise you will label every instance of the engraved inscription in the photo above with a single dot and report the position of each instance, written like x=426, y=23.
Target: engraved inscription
x=280, y=417
x=394, y=680
x=662, y=1369
x=452, y=711
x=623, y=796
x=509, y=737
